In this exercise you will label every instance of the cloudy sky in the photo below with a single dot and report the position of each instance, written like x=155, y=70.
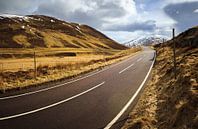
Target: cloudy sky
x=122, y=20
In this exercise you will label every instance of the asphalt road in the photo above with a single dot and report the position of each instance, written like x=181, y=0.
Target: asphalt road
x=95, y=100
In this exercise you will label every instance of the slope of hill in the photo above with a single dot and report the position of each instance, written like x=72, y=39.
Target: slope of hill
x=169, y=103
x=188, y=38
x=43, y=31
x=146, y=41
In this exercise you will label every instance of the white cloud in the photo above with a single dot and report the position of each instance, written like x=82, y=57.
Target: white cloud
x=124, y=36
x=179, y=1
x=120, y=16
x=96, y=13
x=196, y=11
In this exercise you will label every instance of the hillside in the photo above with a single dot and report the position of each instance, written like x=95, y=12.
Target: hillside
x=47, y=32
x=188, y=38
x=169, y=103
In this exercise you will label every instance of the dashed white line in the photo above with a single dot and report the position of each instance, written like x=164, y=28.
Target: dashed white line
x=56, y=86
x=131, y=100
x=139, y=59
x=52, y=105
x=126, y=68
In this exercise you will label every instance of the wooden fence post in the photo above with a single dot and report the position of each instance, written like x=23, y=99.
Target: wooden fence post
x=35, y=69
x=163, y=44
x=174, y=53
x=1, y=67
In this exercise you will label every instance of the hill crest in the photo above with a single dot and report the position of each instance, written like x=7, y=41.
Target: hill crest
x=43, y=31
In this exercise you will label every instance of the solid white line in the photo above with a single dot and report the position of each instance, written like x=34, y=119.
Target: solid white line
x=131, y=100
x=126, y=68
x=56, y=86
x=45, y=89
x=52, y=105
x=139, y=59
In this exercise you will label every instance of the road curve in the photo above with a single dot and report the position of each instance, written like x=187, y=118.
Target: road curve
x=96, y=100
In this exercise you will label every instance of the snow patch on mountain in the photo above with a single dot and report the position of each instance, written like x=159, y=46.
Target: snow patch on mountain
x=11, y=16
x=149, y=40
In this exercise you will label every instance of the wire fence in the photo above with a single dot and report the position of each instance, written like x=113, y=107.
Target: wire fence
x=31, y=61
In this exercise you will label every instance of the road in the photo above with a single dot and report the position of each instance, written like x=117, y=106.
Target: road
x=95, y=100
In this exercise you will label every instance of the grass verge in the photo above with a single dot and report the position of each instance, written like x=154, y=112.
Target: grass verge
x=12, y=80
x=169, y=103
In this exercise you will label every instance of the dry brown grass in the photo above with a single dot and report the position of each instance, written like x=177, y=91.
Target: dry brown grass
x=22, y=40
x=56, y=68
x=169, y=103
x=28, y=63
x=33, y=33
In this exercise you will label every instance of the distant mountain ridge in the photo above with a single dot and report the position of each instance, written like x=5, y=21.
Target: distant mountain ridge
x=43, y=31
x=148, y=40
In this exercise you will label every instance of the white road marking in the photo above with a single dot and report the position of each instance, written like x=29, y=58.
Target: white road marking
x=139, y=59
x=52, y=105
x=49, y=88
x=56, y=86
x=131, y=100
x=126, y=68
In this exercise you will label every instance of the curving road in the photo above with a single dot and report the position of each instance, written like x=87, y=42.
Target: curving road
x=92, y=101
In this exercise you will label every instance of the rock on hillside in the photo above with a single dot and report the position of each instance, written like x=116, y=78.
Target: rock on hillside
x=44, y=31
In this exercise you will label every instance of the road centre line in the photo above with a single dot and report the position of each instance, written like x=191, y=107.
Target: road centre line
x=126, y=68
x=60, y=85
x=132, y=98
x=139, y=59
x=52, y=105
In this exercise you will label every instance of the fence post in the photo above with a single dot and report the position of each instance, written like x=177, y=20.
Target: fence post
x=1, y=67
x=35, y=69
x=163, y=44
x=174, y=53
x=22, y=67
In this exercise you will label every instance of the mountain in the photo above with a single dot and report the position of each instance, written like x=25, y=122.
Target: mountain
x=146, y=41
x=43, y=31
x=168, y=102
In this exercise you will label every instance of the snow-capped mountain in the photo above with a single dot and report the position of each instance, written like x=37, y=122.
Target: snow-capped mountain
x=146, y=41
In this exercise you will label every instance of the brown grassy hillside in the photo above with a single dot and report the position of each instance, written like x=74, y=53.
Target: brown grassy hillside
x=47, y=32
x=169, y=103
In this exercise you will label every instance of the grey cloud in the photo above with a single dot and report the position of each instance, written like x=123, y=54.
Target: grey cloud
x=106, y=15
x=95, y=17
x=183, y=14
x=17, y=6
x=111, y=10
x=143, y=26
x=99, y=15
x=52, y=9
x=149, y=4
x=84, y=18
x=78, y=15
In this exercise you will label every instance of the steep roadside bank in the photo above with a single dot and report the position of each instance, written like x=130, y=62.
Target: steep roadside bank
x=169, y=103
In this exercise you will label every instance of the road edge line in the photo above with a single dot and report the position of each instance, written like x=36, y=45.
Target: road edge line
x=69, y=82
x=132, y=98
x=51, y=105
